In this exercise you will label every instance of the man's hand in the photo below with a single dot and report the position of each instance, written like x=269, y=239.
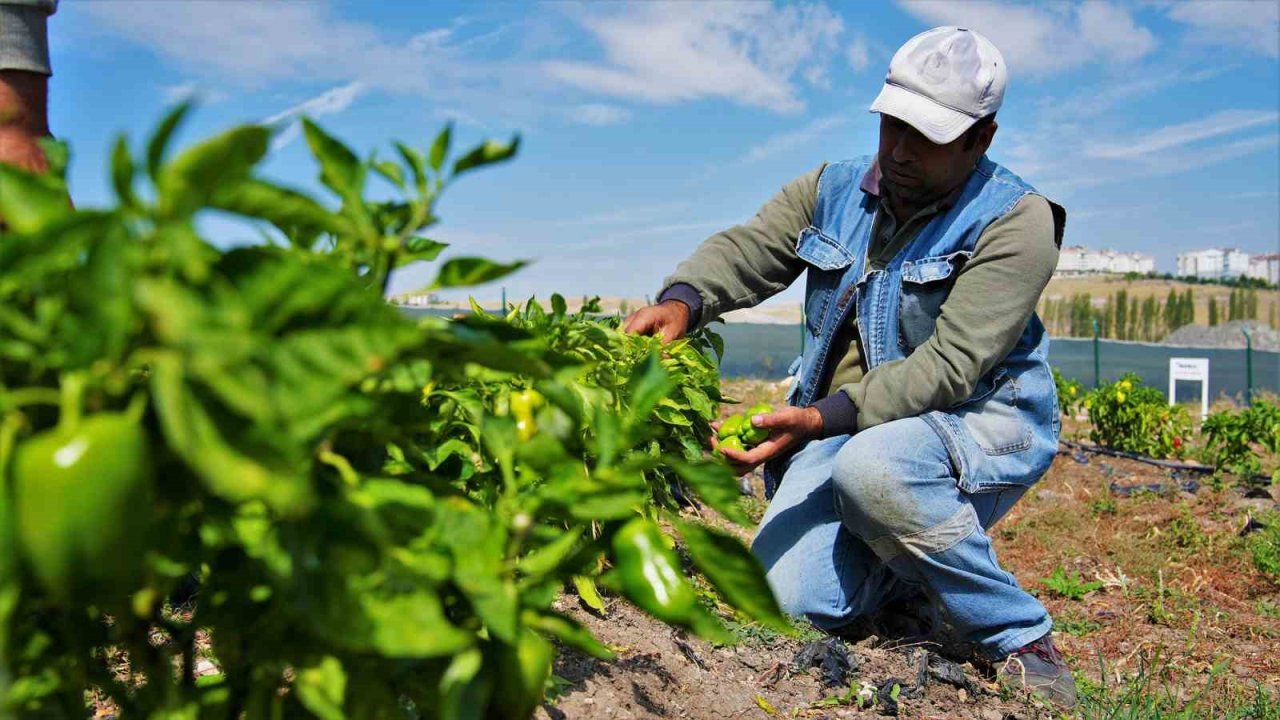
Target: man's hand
x=668, y=319
x=23, y=119
x=787, y=428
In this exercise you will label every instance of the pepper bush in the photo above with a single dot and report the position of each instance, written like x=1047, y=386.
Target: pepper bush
x=1231, y=438
x=1127, y=415
x=379, y=512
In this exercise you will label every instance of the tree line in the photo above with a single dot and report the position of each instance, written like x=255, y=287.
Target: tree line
x=1122, y=317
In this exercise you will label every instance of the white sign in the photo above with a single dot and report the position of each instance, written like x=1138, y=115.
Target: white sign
x=1195, y=369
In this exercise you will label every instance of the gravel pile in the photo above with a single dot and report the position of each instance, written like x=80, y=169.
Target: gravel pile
x=1228, y=335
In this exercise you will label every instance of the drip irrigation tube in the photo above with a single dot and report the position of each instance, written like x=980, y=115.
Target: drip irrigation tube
x=1167, y=464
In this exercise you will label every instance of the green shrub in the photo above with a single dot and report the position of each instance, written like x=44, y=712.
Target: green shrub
x=1070, y=393
x=1231, y=437
x=381, y=511
x=1128, y=416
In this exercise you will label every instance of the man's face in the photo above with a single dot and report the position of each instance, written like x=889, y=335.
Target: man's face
x=917, y=171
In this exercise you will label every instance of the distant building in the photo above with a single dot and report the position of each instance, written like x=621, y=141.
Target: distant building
x=417, y=300
x=1265, y=268
x=1080, y=260
x=1213, y=264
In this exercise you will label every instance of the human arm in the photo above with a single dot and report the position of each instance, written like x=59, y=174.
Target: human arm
x=994, y=295
x=742, y=265
x=24, y=82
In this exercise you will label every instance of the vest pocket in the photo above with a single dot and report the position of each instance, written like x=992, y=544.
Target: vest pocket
x=827, y=261
x=926, y=283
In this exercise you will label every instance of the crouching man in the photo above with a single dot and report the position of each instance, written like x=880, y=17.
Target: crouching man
x=923, y=407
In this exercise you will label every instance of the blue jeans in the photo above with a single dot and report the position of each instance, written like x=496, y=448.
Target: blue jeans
x=860, y=522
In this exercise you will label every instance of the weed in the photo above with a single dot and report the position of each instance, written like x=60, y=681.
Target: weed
x=1268, y=609
x=1076, y=624
x=1184, y=532
x=1069, y=586
x=1264, y=546
x=1105, y=505
x=1149, y=695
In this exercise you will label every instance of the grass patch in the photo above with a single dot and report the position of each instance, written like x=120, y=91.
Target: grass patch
x=1151, y=694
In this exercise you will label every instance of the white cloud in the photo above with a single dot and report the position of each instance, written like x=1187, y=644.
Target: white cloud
x=1039, y=41
x=333, y=100
x=1172, y=136
x=600, y=114
x=746, y=53
x=190, y=91
x=858, y=54
x=790, y=140
x=1254, y=24
x=330, y=101
x=252, y=45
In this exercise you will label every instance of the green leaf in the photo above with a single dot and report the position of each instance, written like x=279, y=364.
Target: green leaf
x=193, y=177
x=414, y=160
x=28, y=201
x=548, y=557
x=568, y=631
x=340, y=169
x=159, y=141
x=465, y=687
x=649, y=384
x=424, y=249
x=440, y=148
x=390, y=171
x=589, y=593
x=464, y=271
x=57, y=155
x=487, y=153
x=122, y=171
x=715, y=484
x=558, y=306
x=734, y=571
x=321, y=688
x=286, y=209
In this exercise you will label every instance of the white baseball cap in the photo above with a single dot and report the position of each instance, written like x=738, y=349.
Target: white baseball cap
x=942, y=81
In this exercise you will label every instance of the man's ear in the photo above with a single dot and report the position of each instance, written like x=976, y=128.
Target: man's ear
x=986, y=135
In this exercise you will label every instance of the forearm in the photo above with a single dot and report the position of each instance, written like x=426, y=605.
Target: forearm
x=24, y=102
x=988, y=308
x=743, y=265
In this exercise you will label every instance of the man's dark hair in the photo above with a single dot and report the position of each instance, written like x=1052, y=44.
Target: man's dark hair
x=971, y=135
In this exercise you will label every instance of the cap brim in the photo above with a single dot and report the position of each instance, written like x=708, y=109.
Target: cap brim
x=937, y=122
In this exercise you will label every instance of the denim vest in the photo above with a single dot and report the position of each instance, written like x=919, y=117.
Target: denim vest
x=1003, y=435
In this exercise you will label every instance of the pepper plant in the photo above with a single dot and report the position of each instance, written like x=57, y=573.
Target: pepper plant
x=378, y=512
x=1127, y=415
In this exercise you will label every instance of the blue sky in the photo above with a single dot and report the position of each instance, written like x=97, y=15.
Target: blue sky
x=648, y=126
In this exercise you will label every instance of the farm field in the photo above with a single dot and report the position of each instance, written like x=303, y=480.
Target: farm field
x=1168, y=612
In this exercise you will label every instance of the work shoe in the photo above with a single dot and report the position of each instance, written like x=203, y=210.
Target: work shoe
x=1038, y=668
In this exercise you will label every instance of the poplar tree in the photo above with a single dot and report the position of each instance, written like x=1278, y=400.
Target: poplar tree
x=1213, y=311
x=1122, y=314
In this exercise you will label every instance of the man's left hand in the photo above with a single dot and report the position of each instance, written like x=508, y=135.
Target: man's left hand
x=787, y=428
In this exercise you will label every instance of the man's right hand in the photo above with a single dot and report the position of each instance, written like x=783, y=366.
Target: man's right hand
x=668, y=319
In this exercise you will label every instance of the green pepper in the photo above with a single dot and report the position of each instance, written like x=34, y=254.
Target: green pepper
x=752, y=435
x=731, y=426
x=733, y=442
x=82, y=501
x=650, y=573
x=760, y=409
x=522, y=671
x=523, y=405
